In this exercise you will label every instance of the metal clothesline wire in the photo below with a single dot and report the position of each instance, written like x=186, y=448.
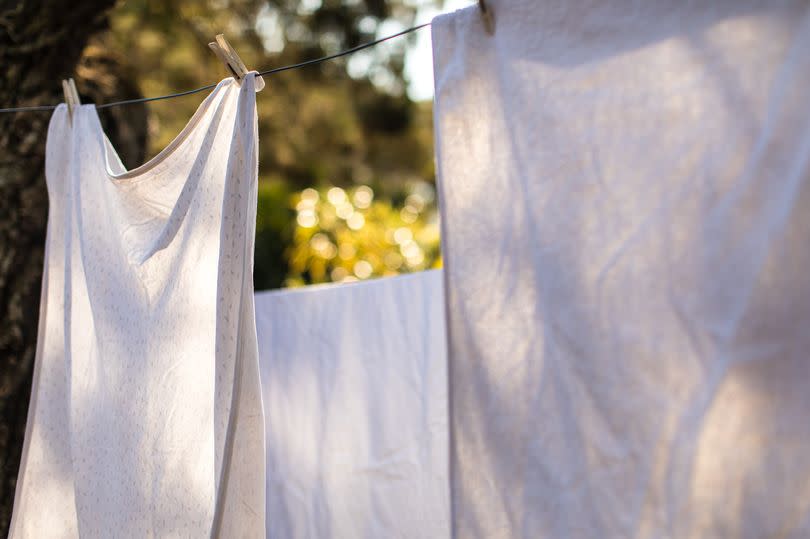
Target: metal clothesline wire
x=210, y=86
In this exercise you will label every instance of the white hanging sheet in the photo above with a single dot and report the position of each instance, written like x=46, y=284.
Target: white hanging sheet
x=138, y=426
x=355, y=396
x=625, y=193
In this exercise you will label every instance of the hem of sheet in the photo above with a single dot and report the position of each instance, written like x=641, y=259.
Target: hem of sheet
x=168, y=151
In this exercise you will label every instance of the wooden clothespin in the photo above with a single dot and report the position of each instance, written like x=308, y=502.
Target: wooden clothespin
x=488, y=16
x=235, y=65
x=71, y=96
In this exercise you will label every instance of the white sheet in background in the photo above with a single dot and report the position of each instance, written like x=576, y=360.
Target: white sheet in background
x=145, y=416
x=625, y=190
x=355, y=396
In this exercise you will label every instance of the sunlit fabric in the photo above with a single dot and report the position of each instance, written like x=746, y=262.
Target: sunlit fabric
x=138, y=426
x=625, y=194
x=355, y=396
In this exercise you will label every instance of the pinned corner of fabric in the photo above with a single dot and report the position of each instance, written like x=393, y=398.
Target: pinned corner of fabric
x=259, y=84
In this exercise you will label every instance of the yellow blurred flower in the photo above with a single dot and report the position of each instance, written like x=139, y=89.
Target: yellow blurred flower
x=351, y=234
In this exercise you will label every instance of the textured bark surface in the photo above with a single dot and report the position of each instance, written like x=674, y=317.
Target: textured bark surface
x=42, y=42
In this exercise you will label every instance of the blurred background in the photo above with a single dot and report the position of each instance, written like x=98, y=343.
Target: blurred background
x=346, y=178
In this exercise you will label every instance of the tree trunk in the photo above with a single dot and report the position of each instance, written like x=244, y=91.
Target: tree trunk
x=41, y=42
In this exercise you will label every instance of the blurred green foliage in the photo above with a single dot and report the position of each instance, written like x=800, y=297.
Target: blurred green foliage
x=319, y=127
x=274, y=225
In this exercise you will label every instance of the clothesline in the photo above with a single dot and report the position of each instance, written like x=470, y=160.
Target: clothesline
x=210, y=86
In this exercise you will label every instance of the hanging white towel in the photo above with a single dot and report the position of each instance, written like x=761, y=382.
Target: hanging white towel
x=146, y=417
x=355, y=395
x=625, y=189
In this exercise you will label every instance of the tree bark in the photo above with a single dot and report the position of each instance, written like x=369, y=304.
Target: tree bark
x=42, y=42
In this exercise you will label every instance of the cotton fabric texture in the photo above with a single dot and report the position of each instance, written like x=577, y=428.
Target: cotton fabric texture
x=355, y=392
x=625, y=190
x=146, y=416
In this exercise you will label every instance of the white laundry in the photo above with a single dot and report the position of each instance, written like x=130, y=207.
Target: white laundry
x=147, y=313
x=625, y=189
x=355, y=395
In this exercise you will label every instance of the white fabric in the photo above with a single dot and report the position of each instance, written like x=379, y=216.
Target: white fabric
x=146, y=314
x=625, y=189
x=355, y=395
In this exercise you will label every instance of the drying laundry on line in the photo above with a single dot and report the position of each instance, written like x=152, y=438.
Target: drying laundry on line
x=616, y=346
